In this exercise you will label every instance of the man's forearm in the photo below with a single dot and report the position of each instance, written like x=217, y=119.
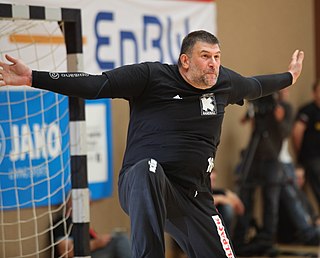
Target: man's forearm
x=274, y=82
x=76, y=84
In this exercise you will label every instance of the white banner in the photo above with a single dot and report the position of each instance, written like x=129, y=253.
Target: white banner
x=131, y=31
x=118, y=32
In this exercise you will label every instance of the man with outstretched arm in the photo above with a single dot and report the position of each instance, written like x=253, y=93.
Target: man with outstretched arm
x=176, y=113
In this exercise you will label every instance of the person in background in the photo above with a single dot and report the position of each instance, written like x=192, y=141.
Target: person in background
x=298, y=221
x=285, y=157
x=115, y=245
x=294, y=224
x=306, y=140
x=227, y=202
x=260, y=168
x=312, y=216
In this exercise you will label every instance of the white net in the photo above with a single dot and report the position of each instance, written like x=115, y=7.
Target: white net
x=34, y=143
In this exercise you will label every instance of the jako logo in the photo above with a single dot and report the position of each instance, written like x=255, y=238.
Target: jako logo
x=2, y=144
x=42, y=141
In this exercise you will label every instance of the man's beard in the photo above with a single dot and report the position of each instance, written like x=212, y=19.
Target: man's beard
x=205, y=81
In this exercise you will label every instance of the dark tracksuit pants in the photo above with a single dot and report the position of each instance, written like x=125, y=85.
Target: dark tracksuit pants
x=155, y=205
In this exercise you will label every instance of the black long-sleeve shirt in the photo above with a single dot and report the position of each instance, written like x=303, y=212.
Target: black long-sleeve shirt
x=170, y=121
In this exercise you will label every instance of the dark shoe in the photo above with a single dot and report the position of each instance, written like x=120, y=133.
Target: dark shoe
x=310, y=237
x=313, y=241
x=257, y=247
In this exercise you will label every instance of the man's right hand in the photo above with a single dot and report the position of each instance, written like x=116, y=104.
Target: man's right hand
x=295, y=66
x=15, y=74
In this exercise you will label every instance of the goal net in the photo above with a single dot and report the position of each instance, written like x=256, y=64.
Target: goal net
x=35, y=166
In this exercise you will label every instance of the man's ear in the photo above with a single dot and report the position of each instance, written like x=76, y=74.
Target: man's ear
x=184, y=59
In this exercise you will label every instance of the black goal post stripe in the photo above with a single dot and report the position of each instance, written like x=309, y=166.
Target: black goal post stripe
x=70, y=23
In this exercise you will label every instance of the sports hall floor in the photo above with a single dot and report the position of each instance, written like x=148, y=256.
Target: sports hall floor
x=286, y=251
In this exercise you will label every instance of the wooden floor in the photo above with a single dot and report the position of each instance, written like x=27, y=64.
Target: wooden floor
x=294, y=251
x=299, y=251
x=286, y=251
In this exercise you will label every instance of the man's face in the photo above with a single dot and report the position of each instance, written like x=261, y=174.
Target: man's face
x=203, y=65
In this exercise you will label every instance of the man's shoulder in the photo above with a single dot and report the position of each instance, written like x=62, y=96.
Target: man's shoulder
x=162, y=70
x=160, y=65
x=227, y=74
x=225, y=70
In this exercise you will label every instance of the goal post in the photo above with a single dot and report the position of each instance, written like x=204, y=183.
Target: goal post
x=69, y=21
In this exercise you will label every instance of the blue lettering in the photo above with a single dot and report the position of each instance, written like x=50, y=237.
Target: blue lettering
x=103, y=40
x=156, y=43
x=128, y=36
x=178, y=38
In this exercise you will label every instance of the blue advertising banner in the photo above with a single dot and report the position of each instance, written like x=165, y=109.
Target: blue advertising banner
x=34, y=148
x=99, y=148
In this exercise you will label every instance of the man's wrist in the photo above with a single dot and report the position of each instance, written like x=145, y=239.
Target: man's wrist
x=29, y=79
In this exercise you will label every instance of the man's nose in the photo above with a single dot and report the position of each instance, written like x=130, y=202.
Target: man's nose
x=213, y=62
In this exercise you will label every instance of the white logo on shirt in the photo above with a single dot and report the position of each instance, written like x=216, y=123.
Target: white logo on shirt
x=208, y=104
x=54, y=76
x=152, y=165
x=177, y=97
x=210, y=164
